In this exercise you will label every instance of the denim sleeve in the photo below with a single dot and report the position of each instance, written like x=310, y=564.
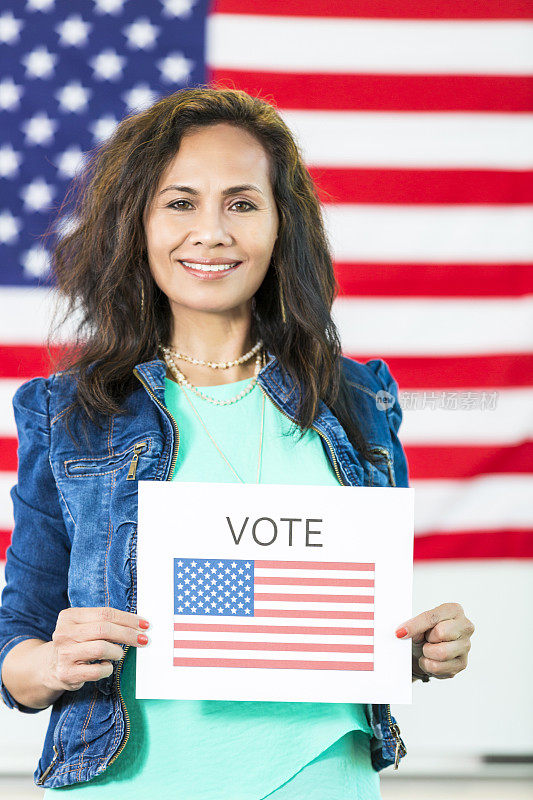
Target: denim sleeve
x=394, y=415
x=37, y=560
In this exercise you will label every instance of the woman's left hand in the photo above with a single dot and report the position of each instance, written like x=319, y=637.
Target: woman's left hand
x=441, y=640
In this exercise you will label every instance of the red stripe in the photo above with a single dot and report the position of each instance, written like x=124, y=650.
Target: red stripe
x=475, y=545
x=5, y=540
x=272, y=664
x=315, y=598
x=494, y=371
x=383, y=92
x=421, y=186
x=194, y=626
x=281, y=646
x=297, y=614
x=385, y=9
x=314, y=582
x=455, y=462
x=433, y=280
x=312, y=565
x=26, y=361
x=8, y=454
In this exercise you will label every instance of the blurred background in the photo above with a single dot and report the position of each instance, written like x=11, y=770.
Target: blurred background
x=416, y=122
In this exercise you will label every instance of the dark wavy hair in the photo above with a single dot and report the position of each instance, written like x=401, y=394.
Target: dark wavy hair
x=100, y=265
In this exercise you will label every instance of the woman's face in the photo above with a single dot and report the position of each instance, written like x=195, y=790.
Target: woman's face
x=199, y=213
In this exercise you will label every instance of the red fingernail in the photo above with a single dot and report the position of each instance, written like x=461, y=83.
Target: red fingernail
x=142, y=639
x=143, y=623
x=400, y=633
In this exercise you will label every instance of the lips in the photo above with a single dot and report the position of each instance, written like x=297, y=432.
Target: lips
x=209, y=271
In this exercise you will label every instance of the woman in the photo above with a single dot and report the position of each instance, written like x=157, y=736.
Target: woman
x=206, y=351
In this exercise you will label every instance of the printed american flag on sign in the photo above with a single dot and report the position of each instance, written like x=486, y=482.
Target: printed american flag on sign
x=273, y=614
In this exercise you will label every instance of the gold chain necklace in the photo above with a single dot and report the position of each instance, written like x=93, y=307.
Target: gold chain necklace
x=216, y=445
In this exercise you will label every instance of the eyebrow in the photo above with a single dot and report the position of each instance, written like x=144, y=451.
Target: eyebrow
x=243, y=187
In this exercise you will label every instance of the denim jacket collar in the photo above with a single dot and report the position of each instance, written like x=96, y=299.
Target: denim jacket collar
x=281, y=390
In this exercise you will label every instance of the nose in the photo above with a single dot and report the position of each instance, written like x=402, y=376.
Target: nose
x=210, y=228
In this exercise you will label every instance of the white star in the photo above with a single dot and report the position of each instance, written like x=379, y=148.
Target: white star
x=9, y=227
x=9, y=28
x=103, y=128
x=9, y=161
x=180, y=608
x=39, y=63
x=107, y=65
x=246, y=610
x=193, y=563
x=175, y=68
x=247, y=565
x=177, y=8
x=39, y=129
x=70, y=161
x=73, y=97
x=73, y=31
x=40, y=5
x=141, y=34
x=180, y=563
x=36, y=262
x=108, y=6
x=37, y=195
x=10, y=94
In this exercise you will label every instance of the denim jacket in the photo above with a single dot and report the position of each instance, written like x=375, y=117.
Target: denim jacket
x=74, y=539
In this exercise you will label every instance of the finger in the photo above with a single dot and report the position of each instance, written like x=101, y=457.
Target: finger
x=81, y=614
x=443, y=669
x=446, y=651
x=416, y=627
x=73, y=676
x=97, y=651
x=449, y=630
x=89, y=631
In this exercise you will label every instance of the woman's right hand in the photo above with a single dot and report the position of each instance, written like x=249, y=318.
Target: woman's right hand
x=83, y=635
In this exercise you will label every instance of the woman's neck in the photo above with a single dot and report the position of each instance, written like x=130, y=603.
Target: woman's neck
x=215, y=339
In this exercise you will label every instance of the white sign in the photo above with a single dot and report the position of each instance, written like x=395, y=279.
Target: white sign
x=274, y=592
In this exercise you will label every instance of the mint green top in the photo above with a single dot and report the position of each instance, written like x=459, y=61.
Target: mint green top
x=239, y=750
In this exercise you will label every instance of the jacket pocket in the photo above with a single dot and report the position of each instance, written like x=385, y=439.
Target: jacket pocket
x=104, y=465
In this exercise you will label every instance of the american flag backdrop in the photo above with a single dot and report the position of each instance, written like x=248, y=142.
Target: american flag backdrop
x=416, y=122
x=273, y=614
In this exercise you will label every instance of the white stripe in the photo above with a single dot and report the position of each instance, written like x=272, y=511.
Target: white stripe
x=423, y=140
x=297, y=605
x=431, y=327
x=271, y=637
x=349, y=574
x=510, y=422
x=336, y=590
x=224, y=619
x=435, y=234
x=7, y=417
x=269, y=655
x=488, y=502
x=362, y=45
x=27, y=314
x=7, y=480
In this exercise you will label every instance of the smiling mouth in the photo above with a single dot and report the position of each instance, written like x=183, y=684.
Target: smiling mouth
x=210, y=268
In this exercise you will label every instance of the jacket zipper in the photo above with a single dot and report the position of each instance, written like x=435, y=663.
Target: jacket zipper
x=399, y=741
x=138, y=448
x=133, y=467
x=47, y=770
x=393, y=726
x=323, y=435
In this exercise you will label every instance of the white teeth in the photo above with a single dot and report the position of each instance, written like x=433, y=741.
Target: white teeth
x=207, y=268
